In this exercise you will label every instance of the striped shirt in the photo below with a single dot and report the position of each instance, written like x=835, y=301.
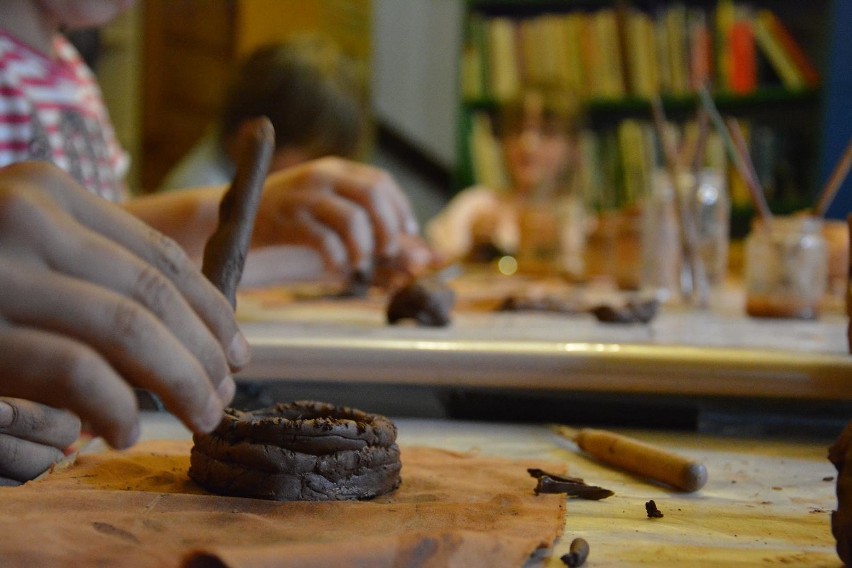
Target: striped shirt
x=51, y=109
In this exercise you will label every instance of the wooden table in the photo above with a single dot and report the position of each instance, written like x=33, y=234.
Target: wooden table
x=718, y=352
x=767, y=502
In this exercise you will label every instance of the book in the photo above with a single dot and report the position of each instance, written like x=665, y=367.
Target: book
x=475, y=62
x=661, y=49
x=790, y=47
x=777, y=56
x=634, y=161
x=743, y=65
x=503, y=60
x=641, y=56
x=611, y=83
x=676, y=34
x=725, y=18
x=572, y=60
x=486, y=155
x=700, y=50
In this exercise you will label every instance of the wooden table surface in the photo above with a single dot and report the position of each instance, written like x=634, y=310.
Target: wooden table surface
x=766, y=502
x=719, y=352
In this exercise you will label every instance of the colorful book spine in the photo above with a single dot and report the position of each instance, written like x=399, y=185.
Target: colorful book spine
x=743, y=80
x=777, y=57
x=622, y=51
x=725, y=19
x=791, y=47
x=700, y=51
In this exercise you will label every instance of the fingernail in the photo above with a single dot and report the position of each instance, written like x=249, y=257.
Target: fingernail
x=412, y=226
x=7, y=414
x=239, y=351
x=226, y=389
x=212, y=414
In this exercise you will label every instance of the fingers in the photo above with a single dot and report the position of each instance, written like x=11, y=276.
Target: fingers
x=22, y=460
x=82, y=254
x=148, y=245
x=351, y=224
x=310, y=232
x=95, y=303
x=379, y=195
x=374, y=196
x=6, y=482
x=33, y=437
x=362, y=205
x=38, y=423
x=63, y=373
x=122, y=332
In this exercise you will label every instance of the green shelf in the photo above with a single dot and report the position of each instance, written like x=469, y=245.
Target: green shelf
x=729, y=101
x=761, y=97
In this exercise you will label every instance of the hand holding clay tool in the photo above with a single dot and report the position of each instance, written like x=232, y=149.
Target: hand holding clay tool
x=638, y=457
x=225, y=251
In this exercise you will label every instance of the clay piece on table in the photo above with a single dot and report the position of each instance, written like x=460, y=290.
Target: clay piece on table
x=358, y=285
x=570, y=486
x=428, y=301
x=631, y=312
x=539, y=304
x=652, y=511
x=840, y=454
x=299, y=451
x=578, y=552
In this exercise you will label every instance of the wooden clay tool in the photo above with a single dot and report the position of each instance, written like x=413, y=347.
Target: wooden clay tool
x=225, y=251
x=638, y=457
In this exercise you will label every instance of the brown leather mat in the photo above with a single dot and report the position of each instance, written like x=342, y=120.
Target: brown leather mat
x=139, y=508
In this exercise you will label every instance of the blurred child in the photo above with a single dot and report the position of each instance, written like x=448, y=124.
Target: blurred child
x=351, y=215
x=537, y=140
x=312, y=95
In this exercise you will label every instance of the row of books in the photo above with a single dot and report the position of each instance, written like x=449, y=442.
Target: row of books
x=619, y=52
x=616, y=165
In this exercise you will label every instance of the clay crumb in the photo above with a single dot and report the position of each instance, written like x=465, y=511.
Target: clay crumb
x=652, y=511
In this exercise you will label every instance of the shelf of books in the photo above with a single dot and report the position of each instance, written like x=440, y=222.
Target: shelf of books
x=615, y=57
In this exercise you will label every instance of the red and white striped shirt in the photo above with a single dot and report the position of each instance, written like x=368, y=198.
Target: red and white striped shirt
x=52, y=110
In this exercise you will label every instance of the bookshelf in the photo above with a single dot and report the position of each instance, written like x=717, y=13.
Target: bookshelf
x=767, y=63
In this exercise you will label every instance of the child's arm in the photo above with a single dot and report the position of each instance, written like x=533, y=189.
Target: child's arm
x=352, y=214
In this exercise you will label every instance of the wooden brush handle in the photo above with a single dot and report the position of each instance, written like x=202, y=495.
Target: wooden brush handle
x=642, y=459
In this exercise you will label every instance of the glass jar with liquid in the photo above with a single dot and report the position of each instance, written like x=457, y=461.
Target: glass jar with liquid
x=786, y=268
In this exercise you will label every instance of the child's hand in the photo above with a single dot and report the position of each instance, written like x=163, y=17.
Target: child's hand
x=95, y=302
x=352, y=214
x=32, y=438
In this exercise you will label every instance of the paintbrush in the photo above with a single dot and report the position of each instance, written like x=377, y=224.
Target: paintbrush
x=638, y=457
x=838, y=175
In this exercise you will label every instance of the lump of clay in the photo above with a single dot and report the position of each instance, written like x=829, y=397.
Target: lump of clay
x=840, y=455
x=428, y=301
x=631, y=312
x=300, y=451
x=539, y=304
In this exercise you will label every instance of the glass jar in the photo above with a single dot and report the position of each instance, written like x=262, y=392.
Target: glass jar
x=786, y=268
x=712, y=210
x=538, y=236
x=662, y=255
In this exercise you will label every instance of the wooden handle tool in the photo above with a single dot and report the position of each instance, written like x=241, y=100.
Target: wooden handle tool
x=225, y=251
x=638, y=457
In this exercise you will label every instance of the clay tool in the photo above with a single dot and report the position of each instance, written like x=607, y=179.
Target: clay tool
x=638, y=457
x=225, y=251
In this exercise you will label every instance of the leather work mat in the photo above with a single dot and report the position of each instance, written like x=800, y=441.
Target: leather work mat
x=139, y=508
